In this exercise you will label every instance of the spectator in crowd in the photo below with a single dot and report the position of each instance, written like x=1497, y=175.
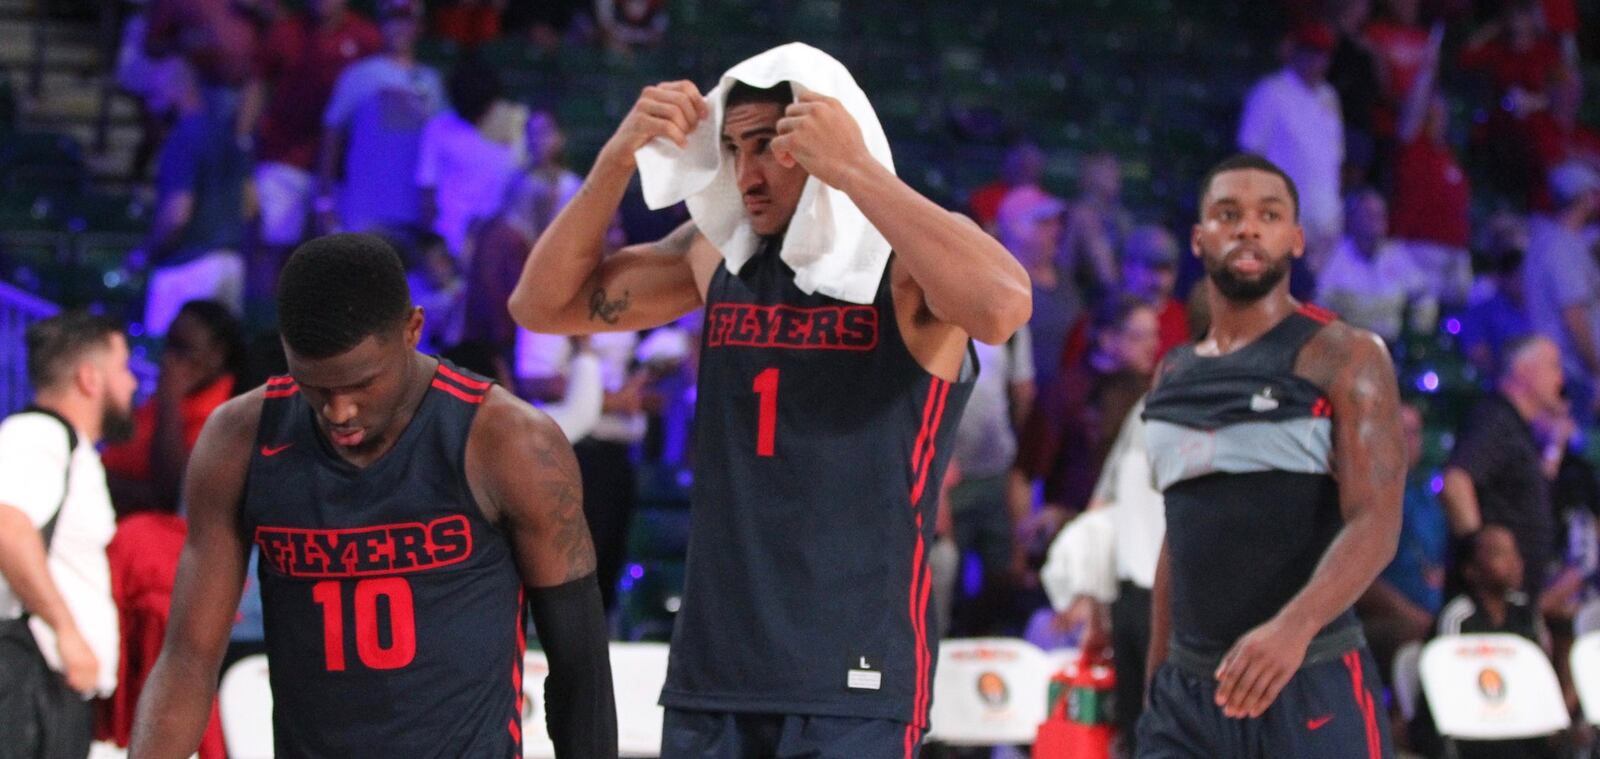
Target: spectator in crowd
x=984, y=509
x=58, y=624
x=548, y=23
x=605, y=457
x=1517, y=57
x=1557, y=135
x=201, y=360
x=198, y=226
x=1024, y=165
x=628, y=24
x=1400, y=42
x=1401, y=604
x=154, y=84
x=438, y=287
x=501, y=250
x=1150, y=274
x=217, y=38
x=1494, y=322
x=372, y=130
x=1354, y=71
x=301, y=59
x=1292, y=118
x=462, y=173
x=1561, y=281
x=1097, y=224
x=1495, y=601
x=1370, y=280
x=1073, y=425
x=546, y=146
x=1432, y=196
x=1030, y=227
x=1496, y=472
x=469, y=23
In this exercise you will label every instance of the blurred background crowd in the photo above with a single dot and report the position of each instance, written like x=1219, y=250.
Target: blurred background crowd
x=160, y=158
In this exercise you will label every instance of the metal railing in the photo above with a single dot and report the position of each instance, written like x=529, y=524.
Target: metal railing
x=18, y=309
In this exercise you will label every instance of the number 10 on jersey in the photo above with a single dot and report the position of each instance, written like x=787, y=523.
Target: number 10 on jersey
x=402, y=623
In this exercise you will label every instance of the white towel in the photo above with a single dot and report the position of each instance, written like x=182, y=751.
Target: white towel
x=831, y=246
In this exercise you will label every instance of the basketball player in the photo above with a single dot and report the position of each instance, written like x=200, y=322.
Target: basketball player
x=1276, y=440
x=404, y=509
x=823, y=427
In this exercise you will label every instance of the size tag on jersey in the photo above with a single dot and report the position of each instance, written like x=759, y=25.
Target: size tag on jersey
x=864, y=675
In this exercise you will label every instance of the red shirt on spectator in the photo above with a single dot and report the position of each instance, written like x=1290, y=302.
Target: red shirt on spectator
x=1173, y=325
x=1401, y=48
x=1553, y=145
x=985, y=202
x=214, y=37
x=301, y=62
x=1560, y=16
x=1529, y=69
x=467, y=24
x=1432, y=197
x=130, y=459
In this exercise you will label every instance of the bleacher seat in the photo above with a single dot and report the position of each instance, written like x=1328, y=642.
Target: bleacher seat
x=1585, y=664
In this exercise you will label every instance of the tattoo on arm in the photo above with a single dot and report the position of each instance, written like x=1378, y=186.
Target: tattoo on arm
x=563, y=494
x=604, y=308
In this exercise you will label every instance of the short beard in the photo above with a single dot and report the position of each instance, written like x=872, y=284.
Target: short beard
x=116, y=425
x=1247, y=291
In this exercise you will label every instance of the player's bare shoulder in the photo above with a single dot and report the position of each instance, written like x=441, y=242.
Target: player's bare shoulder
x=513, y=443
x=695, y=249
x=1340, y=353
x=230, y=430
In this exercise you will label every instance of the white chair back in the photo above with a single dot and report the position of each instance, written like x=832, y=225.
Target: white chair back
x=1491, y=687
x=245, y=700
x=1408, y=678
x=1587, y=620
x=1585, y=663
x=638, y=671
x=989, y=692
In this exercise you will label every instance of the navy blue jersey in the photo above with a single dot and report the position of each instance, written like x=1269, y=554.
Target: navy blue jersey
x=820, y=446
x=392, y=607
x=1241, y=446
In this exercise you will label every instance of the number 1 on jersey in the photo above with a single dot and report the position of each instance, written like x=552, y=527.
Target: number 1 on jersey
x=766, y=386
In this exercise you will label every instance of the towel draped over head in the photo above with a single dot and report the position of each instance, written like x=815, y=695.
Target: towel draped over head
x=831, y=246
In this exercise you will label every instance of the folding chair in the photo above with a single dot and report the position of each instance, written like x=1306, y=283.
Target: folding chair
x=1491, y=687
x=638, y=670
x=1408, y=678
x=1585, y=663
x=989, y=692
x=245, y=698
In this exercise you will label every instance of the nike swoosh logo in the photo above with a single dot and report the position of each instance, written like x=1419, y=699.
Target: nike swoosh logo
x=267, y=450
x=1315, y=724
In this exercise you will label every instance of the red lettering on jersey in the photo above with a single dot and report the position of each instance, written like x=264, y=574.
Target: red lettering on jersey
x=366, y=551
x=826, y=327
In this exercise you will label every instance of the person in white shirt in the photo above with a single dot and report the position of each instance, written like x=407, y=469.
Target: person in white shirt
x=1292, y=118
x=58, y=623
x=1371, y=279
x=462, y=172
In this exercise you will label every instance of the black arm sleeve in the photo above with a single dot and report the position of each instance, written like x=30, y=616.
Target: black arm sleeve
x=581, y=712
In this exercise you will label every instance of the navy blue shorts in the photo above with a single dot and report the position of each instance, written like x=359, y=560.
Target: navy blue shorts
x=689, y=734
x=1332, y=709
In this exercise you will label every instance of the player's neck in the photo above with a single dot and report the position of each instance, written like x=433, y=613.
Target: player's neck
x=419, y=374
x=1235, y=323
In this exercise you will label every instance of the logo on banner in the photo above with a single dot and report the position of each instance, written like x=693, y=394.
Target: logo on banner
x=1492, y=684
x=992, y=690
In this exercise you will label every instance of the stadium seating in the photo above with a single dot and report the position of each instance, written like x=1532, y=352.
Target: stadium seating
x=1491, y=687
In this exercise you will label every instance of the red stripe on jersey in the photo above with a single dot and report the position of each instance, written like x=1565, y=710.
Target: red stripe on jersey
x=922, y=433
x=516, y=670
x=457, y=392
x=280, y=380
x=462, y=379
x=1317, y=312
x=927, y=455
x=282, y=391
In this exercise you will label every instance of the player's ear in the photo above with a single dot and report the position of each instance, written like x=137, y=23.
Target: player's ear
x=414, y=327
x=1194, y=240
x=1299, y=248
